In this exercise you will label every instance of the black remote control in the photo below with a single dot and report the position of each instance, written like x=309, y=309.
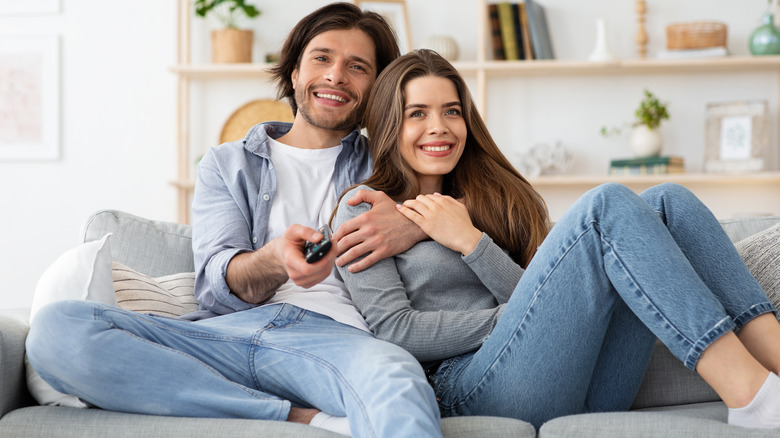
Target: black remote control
x=313, y=252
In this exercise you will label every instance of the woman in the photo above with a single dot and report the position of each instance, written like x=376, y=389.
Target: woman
x=572, y=332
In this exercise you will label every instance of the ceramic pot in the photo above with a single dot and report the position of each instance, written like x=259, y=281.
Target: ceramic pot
x=444, y=46
x=645, y=142
x=765, y=40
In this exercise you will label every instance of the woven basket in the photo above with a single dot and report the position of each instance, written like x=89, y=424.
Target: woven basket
x=696, y=35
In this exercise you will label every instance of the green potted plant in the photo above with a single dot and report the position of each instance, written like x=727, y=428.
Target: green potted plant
x=645, y=140
x=229, y=44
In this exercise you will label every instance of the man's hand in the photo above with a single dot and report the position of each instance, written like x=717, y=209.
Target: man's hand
x=255, y=276
x=381, y=231
x=301, y=272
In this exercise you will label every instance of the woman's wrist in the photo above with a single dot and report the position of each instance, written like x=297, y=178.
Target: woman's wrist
x=471, y=241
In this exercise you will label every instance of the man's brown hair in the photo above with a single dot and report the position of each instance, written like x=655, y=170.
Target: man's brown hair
x=335, y=16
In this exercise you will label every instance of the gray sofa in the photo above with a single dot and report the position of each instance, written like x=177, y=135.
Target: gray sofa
x=673, y=401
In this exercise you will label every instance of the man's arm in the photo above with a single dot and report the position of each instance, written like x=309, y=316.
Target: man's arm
x=382, y=231
x=255, y=276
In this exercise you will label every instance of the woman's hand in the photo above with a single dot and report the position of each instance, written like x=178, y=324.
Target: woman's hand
x=445, y=219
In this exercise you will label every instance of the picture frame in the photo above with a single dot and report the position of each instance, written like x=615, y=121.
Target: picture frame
x=29, y=98
x=16, y=7
x=394, y=11
x=737, y=136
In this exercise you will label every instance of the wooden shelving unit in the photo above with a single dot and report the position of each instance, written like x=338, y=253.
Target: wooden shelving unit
x=483, y=70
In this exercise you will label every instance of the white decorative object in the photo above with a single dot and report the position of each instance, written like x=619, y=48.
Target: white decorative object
x=542, y=158
x=601, y=52
x=645, y=142
x=444, y=46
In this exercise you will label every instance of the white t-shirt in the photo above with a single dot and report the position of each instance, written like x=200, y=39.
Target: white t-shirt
x=306, y=195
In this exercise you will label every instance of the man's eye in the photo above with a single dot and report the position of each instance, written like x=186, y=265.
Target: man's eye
x=359, y=67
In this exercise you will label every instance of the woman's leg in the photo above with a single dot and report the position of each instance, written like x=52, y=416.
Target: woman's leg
x=710, y=251
x=542, y=357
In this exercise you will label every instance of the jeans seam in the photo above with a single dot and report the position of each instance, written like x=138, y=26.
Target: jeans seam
x=751, y=313
x=522, y=322
x=722, y=327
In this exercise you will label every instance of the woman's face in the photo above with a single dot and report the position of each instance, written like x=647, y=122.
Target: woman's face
x=433, y=132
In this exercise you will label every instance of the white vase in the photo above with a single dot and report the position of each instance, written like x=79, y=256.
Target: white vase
x=444, y=46
x=645, y=142
x=601, y=52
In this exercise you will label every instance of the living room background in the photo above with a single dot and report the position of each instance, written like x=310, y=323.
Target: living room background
x=118, y=104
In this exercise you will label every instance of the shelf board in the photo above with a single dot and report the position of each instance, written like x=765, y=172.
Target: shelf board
x=760, y=178
x=530, y=68
x=763, y=178
x=626, y=66
x=222, y=71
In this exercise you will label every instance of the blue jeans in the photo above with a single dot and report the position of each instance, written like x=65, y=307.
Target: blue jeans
x=249, y=364
x=617, y=271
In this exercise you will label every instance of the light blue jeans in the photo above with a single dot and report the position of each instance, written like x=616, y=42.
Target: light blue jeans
x=249, y=364
x=617, y=271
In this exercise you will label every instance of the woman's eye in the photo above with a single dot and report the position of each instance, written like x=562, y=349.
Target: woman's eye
x=453, y=112
x=417, y=114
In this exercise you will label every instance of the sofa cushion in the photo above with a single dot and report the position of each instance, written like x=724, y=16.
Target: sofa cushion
x=170, y=295
x=66, y=422
x=155, y=248
x=688, y=421
x=761, y=253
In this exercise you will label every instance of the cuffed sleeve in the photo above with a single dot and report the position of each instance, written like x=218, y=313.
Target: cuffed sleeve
x=497, y=271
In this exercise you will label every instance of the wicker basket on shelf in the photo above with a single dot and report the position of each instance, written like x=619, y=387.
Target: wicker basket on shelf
x=696, y=35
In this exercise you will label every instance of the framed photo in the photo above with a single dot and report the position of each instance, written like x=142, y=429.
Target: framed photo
x=394, y=11
x=737, y=136
x=29, y=98
x=14, y=7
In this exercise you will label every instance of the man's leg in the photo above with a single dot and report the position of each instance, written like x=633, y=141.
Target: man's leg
x=131, y=362
x=315, y=361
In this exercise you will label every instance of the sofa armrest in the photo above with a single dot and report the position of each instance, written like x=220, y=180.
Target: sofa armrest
x=13, y=380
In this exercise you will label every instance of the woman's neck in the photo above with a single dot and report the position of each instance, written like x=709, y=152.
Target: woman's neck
x=430, y=184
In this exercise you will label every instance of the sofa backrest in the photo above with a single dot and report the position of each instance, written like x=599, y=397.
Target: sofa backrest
x=154, y=248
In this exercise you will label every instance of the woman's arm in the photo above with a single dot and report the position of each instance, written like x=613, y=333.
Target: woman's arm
x=380, y=295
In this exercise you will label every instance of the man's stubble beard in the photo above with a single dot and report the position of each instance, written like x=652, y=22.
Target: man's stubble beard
x=347, y=123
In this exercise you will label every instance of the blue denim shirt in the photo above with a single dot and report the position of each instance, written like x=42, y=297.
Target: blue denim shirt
x=235, y=187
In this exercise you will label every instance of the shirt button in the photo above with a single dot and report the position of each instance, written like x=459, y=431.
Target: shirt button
x=254, y=239
x=266, y=197
x=270, y=166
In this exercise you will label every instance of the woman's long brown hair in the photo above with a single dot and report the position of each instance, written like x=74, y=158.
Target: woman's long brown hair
x=500, y=201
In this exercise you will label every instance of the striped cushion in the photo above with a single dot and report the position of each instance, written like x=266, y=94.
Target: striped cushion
x=171, y=295
x=761, y=253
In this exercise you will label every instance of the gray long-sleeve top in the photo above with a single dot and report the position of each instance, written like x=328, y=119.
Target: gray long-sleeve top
x=430, y=300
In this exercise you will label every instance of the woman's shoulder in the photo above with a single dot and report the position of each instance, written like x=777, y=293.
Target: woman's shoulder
x=346, y=211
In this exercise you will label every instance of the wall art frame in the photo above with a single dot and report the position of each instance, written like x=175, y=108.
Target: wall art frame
x=395, y=12
x=737, y=136
x=29, y=97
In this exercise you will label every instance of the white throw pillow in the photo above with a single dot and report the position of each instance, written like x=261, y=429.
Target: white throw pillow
x=82, y=273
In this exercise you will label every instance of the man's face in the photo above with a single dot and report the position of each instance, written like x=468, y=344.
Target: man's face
x=335, y=75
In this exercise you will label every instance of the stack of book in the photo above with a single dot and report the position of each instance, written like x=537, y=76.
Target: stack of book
x=518, y=31
x=647, y=166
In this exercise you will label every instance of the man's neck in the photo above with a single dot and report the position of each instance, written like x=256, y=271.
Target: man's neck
x=305, y=136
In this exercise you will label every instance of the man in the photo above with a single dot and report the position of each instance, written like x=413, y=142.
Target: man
x=287, y=342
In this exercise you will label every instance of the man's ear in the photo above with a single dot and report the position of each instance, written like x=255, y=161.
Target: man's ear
x=294, y=77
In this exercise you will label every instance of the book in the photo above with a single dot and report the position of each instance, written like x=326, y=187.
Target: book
x=646, y=161
x=540, y=34
x=527, y=49
x=646, y=169
x=496, y=41
x=518, y=30
x=508, y=31
x=694, y=53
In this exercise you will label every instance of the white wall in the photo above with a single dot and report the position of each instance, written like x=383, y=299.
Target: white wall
x=118, y=105
x=117, y=137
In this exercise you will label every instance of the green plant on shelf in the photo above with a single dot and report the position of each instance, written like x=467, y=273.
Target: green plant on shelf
x=226, y=11
x=651, y=112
